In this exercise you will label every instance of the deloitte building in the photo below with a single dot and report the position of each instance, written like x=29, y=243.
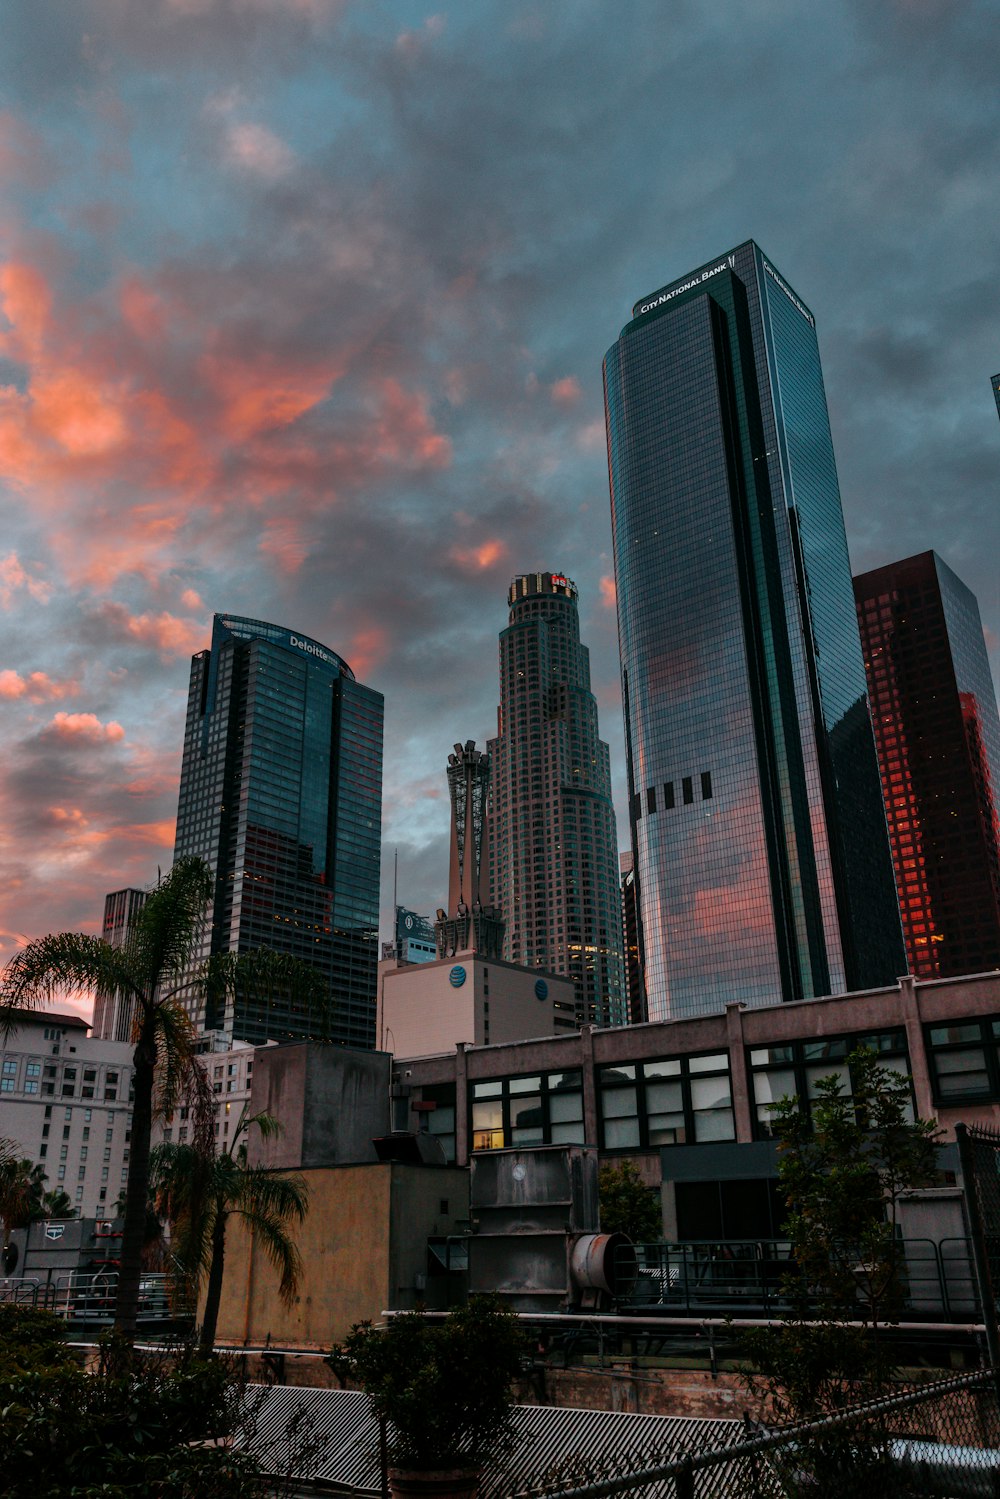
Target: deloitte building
x=761, y=852
x=281, y=794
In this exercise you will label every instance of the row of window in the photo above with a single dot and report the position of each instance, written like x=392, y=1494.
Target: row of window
x=664, y=799
x=688, y=1099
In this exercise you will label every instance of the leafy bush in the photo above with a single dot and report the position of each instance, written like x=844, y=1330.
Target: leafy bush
x=137, y=1425
x=445, y=1387
x=628, y=1206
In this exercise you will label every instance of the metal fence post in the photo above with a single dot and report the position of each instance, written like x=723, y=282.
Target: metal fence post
x=980, y=1257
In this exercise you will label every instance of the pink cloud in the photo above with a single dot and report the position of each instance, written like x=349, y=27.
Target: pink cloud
x=191, y=599
x=609, y=593
x=171, y=636
x=480, y=558
x=566, y=392
x=37, y=687
x=253, y=148
x=13, y=577
x=85, y=726
x=146, y=413
x=368, y=646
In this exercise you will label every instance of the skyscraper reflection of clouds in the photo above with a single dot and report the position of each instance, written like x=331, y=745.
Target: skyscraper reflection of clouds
x=281, y=794
x=762, y=860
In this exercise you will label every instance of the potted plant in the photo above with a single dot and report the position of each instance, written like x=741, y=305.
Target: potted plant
x=444, y=1390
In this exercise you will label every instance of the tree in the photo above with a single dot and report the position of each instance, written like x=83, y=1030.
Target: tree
x=199, y=1190
x=843, y=1168
x=151, y=971
x=21, y=1189
x=628, y=1206
x=57, y=1204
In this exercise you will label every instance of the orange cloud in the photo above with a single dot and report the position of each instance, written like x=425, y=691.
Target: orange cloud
x=566, y=392
x=164, y=632
x=609, y=593
x=253, y=148
x=37, y=687
x=86, y=726
x=478, y=559
x=141, y=421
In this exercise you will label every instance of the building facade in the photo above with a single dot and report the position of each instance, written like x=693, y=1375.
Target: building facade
x=65, y=1100
x=553, y=841
x=692, y=1101
x=762, y=861
x=938, y=735
x=281, y=794
x=113, y=1013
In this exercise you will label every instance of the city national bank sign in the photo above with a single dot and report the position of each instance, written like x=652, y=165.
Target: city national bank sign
x=728, y=264
x=675, y=291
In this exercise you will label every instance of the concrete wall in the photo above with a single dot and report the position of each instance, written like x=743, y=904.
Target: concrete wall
x=332, y=1102
x=909, y=1005
x=421, y=1012
x=363, y=1244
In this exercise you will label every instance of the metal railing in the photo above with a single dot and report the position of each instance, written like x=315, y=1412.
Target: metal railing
x=91, y=1295
x=747, y=1276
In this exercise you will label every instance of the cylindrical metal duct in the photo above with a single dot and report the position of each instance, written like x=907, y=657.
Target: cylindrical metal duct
x=604, y=1262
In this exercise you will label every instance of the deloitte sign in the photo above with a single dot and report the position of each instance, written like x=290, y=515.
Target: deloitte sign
x=312, y=649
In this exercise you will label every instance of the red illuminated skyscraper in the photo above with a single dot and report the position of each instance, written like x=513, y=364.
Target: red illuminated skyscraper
x=938, y=737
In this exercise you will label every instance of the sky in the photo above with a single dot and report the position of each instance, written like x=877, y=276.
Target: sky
x=302, y=311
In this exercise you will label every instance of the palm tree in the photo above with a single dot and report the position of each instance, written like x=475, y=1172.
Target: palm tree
x=198, y=1191
x=151, y=972
x=21, y=1190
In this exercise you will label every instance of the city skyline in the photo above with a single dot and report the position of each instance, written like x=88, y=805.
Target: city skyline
x=303, y=311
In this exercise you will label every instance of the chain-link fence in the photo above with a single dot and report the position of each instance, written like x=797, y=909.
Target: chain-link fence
x=940, y=1439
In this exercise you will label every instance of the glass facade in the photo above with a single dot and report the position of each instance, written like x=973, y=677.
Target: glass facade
x=553, y=839
x=761, y=861
x=281, y=794
x=938, y=737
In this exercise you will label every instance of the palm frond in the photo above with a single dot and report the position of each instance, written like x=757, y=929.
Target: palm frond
x=184, y=1191
x=62, y=961
x=167, y=929
x=174, y=1037
x=267, y=1201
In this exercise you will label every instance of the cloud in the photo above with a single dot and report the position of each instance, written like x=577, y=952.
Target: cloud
x=14, y=577
x=85, y=726
x=481, y=558
x=37, y=686
x=609, y=594
x=254, y=148
x=566, y=392
x=166, y=633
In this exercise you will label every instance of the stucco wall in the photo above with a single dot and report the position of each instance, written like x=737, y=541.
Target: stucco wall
x=363, y=1245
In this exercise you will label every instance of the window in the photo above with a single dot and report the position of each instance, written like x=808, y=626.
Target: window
x=706, y=785
x=687, y=791
x=441, y=1120
x=670, y=1101
x=540, y=1109
x=964, y=1060
x=9, y=1066
x=668, y=796
x=795, y=1068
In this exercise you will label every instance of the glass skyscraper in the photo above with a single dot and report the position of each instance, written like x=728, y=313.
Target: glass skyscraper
x=938, y=737
x=762, y=860
x=281, y=794
x=553, y=845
